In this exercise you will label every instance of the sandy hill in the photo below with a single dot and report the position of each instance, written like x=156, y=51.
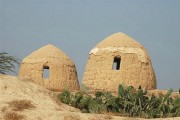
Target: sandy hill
x=24, y=100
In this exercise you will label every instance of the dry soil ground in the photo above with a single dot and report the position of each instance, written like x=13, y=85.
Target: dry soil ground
x=24, y=100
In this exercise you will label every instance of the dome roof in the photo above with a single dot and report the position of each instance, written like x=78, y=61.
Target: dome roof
x=48, y=51
x=118, y=40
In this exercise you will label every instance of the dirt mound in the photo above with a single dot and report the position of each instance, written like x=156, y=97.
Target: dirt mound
x=24, y=100
x=35, y=102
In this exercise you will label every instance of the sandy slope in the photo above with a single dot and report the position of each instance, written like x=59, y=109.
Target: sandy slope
x=45, y=105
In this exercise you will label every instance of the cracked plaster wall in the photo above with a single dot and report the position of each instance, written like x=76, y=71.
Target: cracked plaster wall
x=62, y=73
x=135, y=69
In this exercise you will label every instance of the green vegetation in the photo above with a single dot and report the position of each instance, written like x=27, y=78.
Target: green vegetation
x=7, y=63
x=129, y=102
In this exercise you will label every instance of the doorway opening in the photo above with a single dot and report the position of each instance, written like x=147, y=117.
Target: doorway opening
x=45, y=72
x=116, y=63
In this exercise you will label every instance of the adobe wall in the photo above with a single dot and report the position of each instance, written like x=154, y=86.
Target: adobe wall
x=135, y=69
x=62, y=73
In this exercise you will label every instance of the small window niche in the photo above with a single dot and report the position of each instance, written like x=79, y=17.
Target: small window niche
x=116, y=63
x=45, y=72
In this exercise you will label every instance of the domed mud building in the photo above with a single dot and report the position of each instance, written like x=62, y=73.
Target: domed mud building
x=119, y=59
x=51, y=68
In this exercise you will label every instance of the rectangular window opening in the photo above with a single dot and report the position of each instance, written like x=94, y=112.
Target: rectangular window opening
x=46, y=72
x=116, y=63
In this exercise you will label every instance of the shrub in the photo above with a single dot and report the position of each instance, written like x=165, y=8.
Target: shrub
x=7, y=63
x=129, y=102
x=65, y=97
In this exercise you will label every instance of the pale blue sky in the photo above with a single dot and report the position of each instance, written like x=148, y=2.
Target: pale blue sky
x=76, y=26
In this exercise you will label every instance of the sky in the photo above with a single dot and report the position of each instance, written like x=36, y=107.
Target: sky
x=77, y=26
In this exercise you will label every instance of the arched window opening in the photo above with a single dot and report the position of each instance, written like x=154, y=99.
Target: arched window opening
x=46, y=72
x=116, y=63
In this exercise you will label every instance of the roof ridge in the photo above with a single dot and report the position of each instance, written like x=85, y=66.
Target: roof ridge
x=118, y=40
x=48, y=51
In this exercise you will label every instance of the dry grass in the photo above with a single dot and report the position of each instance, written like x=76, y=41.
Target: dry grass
x=19, y=105
x=101, y=117
x=72, y=117
x=3, y=109
x=108, y=117
x=26, y=79
x=13, y=116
